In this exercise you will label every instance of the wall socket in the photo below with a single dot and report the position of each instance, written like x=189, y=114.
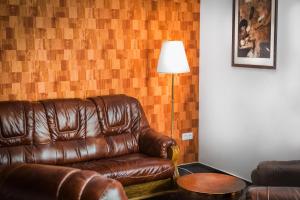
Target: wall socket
x=187, y=136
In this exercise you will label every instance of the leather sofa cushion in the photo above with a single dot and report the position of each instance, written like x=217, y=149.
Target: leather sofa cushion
x=66, y=119
x=16, y=123
x=130, y=169
x=64, y=152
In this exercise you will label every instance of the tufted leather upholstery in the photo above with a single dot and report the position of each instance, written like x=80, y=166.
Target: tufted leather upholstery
x=36, y=182
x=107, y=134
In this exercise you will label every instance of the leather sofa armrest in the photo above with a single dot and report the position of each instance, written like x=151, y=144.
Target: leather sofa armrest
x=158, y=145
x=34, y=181
x=278, y=193
x=155, y=144
x=277, y=173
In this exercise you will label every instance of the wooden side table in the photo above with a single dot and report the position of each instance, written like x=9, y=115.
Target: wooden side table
x=212, y=185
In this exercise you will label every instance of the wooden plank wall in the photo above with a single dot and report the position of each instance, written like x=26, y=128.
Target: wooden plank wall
x=72, y=48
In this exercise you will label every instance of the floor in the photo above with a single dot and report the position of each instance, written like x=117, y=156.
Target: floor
x=194, y=168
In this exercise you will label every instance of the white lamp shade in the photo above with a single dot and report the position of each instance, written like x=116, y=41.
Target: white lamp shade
x=172, y=58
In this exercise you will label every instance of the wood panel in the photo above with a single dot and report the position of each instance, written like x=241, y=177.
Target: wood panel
x=69, y=48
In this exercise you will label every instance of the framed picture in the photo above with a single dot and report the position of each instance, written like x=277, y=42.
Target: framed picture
x=254, y=33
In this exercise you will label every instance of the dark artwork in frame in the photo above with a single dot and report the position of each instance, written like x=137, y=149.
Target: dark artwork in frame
x=254, y=33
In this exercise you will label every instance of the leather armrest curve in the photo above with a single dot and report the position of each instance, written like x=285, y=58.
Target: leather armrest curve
x=277, y=173
x=155, y=144
x=35, y=181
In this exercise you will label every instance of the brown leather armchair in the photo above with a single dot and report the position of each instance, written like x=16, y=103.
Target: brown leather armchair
x=36, y=182
x=278, y=180
x=109, y=135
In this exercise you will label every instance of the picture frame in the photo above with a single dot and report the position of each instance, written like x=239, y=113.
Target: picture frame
x=254, y=33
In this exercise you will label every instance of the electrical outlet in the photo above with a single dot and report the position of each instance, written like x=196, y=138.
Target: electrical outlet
x=187, y=136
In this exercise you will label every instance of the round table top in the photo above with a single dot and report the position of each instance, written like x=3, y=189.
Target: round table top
x=211, y=183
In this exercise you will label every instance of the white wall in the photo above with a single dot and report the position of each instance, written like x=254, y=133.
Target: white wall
x=248, y=115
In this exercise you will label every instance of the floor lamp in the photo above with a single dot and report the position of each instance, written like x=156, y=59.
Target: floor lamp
x=172, y=60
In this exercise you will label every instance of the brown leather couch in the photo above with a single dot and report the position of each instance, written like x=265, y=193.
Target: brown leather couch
x=109, y=135
x=278, y=180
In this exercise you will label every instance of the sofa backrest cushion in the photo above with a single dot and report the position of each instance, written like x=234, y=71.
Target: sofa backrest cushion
x=66, y=119
x=116, y=115
x=63, y=131
x=16, y=123
x=119, y=119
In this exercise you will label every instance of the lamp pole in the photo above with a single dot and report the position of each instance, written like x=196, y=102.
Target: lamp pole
x=172, y=112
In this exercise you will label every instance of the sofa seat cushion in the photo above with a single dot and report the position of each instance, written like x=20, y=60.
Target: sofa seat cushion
x=130, y=169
